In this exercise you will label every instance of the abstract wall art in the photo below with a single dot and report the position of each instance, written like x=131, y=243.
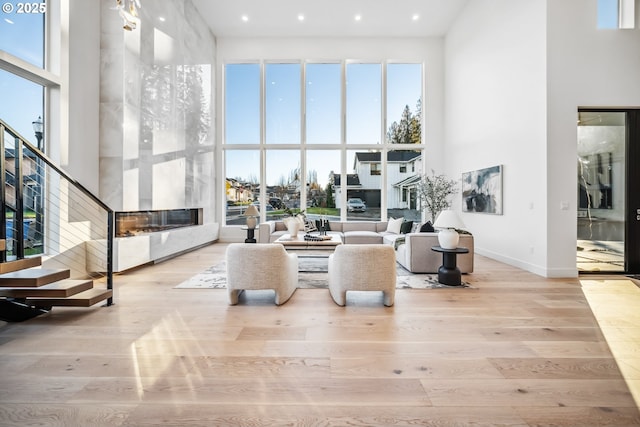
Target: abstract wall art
x=482, y=190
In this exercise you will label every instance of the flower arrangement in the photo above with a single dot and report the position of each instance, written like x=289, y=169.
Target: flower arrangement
x=435, y=192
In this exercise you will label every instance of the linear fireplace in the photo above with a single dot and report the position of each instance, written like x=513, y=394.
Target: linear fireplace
x=141, y=222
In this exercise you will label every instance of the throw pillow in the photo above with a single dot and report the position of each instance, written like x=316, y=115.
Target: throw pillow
x=406, y=227
x=427, y=227
x=393, y=226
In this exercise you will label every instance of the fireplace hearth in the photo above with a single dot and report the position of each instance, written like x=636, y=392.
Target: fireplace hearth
x=135, y=223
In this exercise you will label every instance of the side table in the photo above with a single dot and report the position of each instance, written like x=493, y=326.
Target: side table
x=250, y=234
x=449, y=273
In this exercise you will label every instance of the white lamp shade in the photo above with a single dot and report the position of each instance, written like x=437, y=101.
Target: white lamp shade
x=448, y=219
x=251, y=211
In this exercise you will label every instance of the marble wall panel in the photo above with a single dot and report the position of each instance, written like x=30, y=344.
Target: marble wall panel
x=131, y=193
x=158, y=95
x=111, y=179
x=169, y=183
x=111, y=135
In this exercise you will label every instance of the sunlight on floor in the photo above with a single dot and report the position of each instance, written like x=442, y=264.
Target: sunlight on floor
x=616, y=305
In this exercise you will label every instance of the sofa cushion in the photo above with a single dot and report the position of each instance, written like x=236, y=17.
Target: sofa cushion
x=394, y=225
x=362, y=237
x=277, y=234
x=359, y=226
x=392, y=239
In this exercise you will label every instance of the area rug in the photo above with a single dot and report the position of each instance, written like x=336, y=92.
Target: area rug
x=313, y=274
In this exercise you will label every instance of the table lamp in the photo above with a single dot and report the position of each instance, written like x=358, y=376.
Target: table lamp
x=447, y=222
x=251, y=213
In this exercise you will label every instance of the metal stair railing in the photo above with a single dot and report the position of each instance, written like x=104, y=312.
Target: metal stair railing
x=44, y=211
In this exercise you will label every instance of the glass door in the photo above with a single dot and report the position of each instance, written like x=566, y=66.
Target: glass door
x=608, y=200
x=601, y=191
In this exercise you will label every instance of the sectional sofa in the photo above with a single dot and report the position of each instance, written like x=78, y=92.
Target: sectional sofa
x=413, y=250
x=351, y=232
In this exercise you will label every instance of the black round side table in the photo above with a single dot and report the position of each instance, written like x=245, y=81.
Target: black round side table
x=449, y=273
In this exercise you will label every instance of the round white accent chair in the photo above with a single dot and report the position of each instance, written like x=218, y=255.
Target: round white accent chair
x=362, y=268
x=252, y=266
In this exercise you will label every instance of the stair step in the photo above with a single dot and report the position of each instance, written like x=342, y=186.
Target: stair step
x=3, y=245
x=20, y=264
x=82, y=299
x=33, y=277
x=61, y=289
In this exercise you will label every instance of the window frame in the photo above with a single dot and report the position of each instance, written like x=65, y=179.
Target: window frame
x=343, y=146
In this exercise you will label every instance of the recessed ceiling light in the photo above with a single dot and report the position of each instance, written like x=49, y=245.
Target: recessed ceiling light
x=415, y=17
x=358, y=17
x=300, y=17
x=245, y=18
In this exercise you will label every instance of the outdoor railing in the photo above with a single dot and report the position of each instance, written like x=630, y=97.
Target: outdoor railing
x=44, y=211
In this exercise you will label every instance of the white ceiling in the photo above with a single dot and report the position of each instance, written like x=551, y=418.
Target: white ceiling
x=329, y=18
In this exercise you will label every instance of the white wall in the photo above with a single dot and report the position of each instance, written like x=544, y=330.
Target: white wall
x=586, y=68
x=495, y=114
x=517, y=72
x=79, y=154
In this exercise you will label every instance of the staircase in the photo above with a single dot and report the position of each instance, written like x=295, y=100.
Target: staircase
x=47, y=214
x=27, y=291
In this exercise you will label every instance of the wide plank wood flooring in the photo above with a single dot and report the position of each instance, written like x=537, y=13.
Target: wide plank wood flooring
x=517, y=350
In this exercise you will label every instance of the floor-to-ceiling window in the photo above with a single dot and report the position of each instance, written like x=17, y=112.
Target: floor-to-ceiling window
x=24, y=81
x=324, y=133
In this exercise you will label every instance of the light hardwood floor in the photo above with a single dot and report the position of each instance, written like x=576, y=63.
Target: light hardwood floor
x=517, y=350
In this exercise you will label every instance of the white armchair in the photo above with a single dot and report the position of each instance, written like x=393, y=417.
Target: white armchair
x=362, y=268
x=261, y=266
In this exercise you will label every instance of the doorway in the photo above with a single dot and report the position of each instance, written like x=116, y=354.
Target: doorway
x=608, y=199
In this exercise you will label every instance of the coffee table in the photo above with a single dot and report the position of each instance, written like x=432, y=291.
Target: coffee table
x=299, y=244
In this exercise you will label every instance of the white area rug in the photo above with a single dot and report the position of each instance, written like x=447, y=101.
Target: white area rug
x=313, y=274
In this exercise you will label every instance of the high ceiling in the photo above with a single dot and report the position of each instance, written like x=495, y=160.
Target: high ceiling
x=329, y=18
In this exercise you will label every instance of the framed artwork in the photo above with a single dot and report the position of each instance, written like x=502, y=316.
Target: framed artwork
x=482, y=190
